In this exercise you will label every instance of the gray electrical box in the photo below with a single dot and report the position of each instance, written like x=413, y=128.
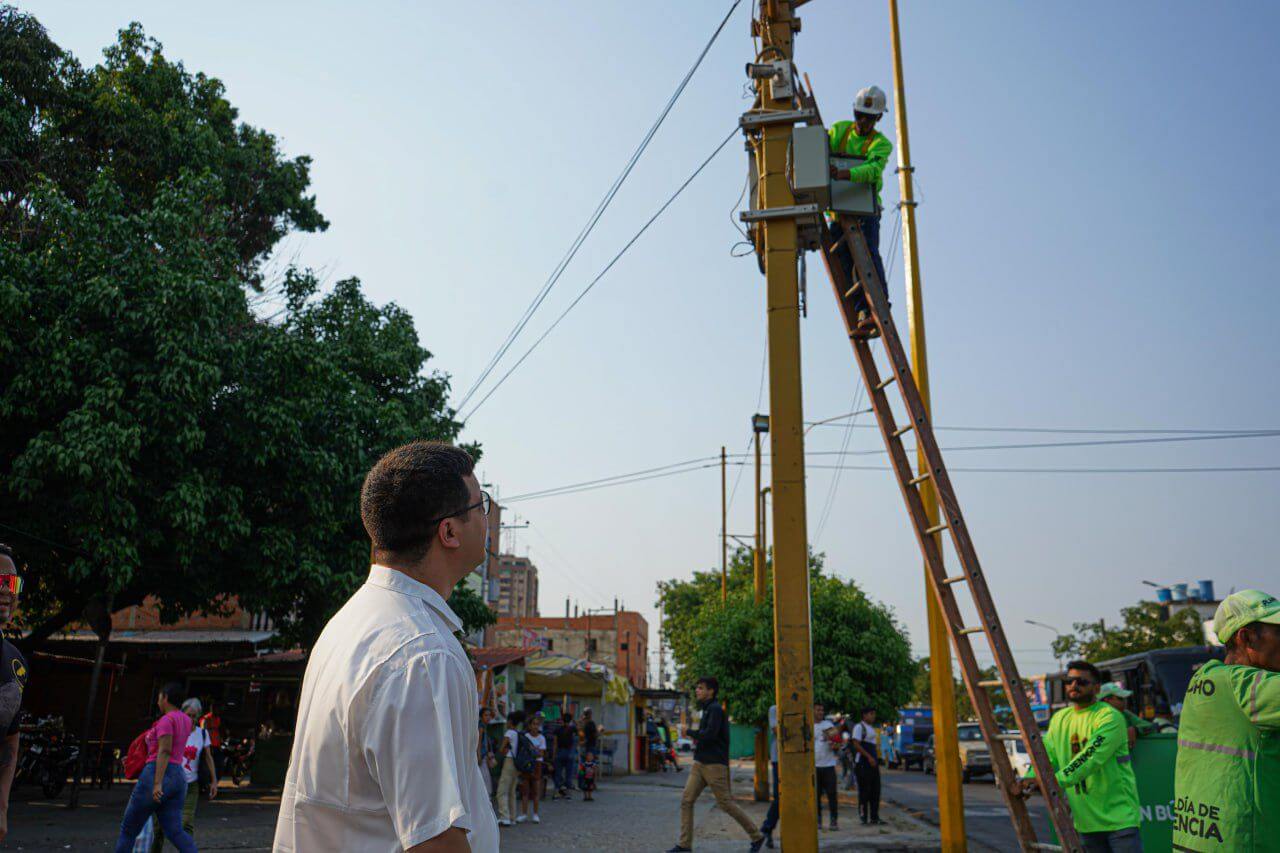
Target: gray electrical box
x=811, y=162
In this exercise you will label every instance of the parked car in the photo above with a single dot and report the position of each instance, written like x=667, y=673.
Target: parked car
x=912, y=755
x=684, y=744
x=1018, y=755
x=975, y=758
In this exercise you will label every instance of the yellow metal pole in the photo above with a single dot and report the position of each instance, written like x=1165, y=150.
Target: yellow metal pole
x=793, y=664
x=724, y=532
x=942, y=687
x=761, y=786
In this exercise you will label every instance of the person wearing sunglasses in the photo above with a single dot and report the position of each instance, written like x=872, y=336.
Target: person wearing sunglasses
x=1227, y=778
x=13, y=681
x=1088, y=746
x=384, y=749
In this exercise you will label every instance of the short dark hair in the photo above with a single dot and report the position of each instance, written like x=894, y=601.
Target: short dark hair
x=710, y=683
x=408, y=489
x=174, y=693
x=1085, y=666
x=868, y=709
x=567, y=715
x=515, y=718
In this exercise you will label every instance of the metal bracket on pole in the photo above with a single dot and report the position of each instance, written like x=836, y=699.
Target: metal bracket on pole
x=791, y=212
x=768, y=117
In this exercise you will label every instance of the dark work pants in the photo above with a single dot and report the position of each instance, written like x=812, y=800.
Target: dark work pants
x=771, y=819
x=827, y=785
x=868, y=790
x=871, y=233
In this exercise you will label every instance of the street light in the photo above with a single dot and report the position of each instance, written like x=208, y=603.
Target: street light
x=759, y=423
x=1055, y=631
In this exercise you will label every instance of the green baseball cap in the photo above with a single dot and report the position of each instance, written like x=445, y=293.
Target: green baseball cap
x=1113, y=689
x=1244, y=608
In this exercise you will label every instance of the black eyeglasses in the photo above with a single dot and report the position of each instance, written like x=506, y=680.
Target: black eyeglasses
x=1083, y=682
x=485, y=503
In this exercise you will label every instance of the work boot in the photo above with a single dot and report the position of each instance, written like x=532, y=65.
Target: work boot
x=757, y=844
x=834, y=826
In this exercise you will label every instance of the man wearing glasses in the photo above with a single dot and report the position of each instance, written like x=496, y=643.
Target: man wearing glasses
x=1088, y=746
x=384, y=750
x=13, y=680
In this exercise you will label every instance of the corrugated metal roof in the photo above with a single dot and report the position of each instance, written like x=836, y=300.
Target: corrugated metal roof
x=179, y=636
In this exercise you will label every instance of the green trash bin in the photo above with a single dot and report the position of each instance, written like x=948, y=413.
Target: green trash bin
x=1154, y=759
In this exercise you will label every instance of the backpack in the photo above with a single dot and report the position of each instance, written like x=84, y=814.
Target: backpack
x=526, y=754
x=136, y=758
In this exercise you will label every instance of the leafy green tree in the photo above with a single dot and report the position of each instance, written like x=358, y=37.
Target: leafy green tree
x=860, y=654
x=1143, y=628
x=160, y=433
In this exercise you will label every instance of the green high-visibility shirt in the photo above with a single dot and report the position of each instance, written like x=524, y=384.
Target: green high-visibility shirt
x=1227, y=785
x=875, y=148
x=1089, y=749
x=1143, y=726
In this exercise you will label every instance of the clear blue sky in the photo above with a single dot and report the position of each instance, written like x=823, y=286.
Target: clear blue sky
x=1098, y=237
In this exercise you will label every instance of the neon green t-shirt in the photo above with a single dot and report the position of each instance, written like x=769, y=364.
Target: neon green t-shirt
x=1089, y=749
x=875, y=148
x=1226, y=793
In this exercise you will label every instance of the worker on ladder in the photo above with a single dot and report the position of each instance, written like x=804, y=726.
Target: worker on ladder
x=859, y=138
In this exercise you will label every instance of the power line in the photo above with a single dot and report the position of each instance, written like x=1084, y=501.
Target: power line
x=764, y=358
x=633, y=476
x=602, y=273
x=1053, y=430
x=1031, y=445
x=569, y=255
x=1223, y=469
x=835, y=479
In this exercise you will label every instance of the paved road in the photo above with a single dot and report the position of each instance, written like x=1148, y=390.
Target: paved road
x=986, y=817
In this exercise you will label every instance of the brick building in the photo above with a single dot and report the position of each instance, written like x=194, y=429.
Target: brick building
x=619, y=640
x=517, y=579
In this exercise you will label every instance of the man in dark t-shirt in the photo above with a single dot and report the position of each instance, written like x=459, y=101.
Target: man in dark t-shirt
x=590, y=734
x=566, y=760
x=13, y=680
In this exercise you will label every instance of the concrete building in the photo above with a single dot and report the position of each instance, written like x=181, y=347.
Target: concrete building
x=517, y=581
x=619, y=640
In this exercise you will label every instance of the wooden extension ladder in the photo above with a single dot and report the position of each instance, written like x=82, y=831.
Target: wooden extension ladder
x=862, y=287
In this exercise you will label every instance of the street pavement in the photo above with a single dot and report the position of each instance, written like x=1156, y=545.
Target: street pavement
x=631, y=814
x=986, y=818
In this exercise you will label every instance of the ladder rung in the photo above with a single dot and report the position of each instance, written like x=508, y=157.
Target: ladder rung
x=937, y=528
x=857, y=285
x=995, y=683
x=901, y=431
x=956, y=579
x=967, y=631
x=915, y=481
x=886, y=383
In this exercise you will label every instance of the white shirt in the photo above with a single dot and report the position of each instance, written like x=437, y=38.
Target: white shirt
x=197, y=742
x=823, y=754
x=385, y=744
x=539, y=741
x=513, y=738
x=865, y=733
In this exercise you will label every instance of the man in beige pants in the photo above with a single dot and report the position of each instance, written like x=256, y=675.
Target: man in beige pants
x=711, y=768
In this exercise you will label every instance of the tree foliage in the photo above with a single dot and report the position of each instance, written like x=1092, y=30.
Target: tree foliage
x=860, y=654
x=160, y=432
x=1143, y=628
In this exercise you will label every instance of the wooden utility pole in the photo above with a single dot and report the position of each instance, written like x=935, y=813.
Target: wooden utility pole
x=761, y=787
x=941, y=684
x=793, y=663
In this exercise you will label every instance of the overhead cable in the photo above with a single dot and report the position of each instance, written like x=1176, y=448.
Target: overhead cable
x=603, y=205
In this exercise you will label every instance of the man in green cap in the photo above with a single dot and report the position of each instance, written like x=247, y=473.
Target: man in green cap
x=1114, y=695
x=1089, y=751
x=1229, y=736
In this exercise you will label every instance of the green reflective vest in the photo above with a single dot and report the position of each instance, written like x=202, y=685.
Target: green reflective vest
x=1089, y=750
x=874, y=148
x=1227, y=783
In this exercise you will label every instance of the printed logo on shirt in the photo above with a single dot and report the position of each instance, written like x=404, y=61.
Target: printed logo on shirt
x=19, y=672
x=1202, y=687
x=1197, y=819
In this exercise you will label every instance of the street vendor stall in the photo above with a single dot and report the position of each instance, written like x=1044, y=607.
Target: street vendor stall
x=568, y=682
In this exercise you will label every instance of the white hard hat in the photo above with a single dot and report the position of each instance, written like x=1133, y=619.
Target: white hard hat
x=870, y=100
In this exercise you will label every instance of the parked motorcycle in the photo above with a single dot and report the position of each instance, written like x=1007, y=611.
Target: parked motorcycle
x=49, y=757
x=237, y=755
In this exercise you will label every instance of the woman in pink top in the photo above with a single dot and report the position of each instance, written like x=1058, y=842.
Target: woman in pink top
x=161, y=786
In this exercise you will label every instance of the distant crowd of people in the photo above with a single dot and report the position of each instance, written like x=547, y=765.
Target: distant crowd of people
x=532, y=762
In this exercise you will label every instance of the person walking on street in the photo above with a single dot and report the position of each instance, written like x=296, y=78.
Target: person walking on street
x=195, y=753
x=485, y=756
x=384, y=748
x=509, y=777
x=13, y=681
x=1226, y=790
x=566, y=760
x=1088, y=749
x=825, y=739
x=212, y=724
x=590, y=733
x=711, y=768
x=531, y=779
x=771, y=817
x=866, y=766
x=161, y=787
